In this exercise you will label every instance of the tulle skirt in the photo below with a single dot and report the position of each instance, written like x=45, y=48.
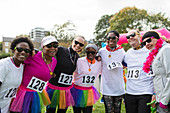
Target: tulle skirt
x=60, y=96
x=84, y=96
x=28, y=100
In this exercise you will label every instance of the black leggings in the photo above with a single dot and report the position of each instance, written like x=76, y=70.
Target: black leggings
x=85, y=109
x=137, y=103
x=52, y=110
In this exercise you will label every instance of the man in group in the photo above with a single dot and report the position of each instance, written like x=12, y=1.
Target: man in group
x=112, y=83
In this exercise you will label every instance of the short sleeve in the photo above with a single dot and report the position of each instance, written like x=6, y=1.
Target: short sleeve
x=3, y=70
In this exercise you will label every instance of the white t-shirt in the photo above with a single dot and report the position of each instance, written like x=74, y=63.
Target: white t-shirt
x=11, y=77
x=84, y=77
x=112, y=82
x=143, y=84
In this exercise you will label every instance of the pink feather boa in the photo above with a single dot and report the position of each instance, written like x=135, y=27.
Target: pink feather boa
x=152, y=55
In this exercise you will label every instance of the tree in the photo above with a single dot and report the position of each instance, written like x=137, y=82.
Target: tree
x=134, y=18
x=64, y=32
x=101, y=28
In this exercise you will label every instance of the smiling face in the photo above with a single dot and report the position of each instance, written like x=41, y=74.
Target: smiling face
x=20, y=56
x=91, y=53
x=150, y=45
x=78, y=44
x=111, y=41
x=134, y=39
x=51, y=49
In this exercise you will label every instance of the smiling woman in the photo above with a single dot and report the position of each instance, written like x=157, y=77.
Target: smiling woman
x=31, y=96
x=85, y=75
x=11, y=71
x=59, y=87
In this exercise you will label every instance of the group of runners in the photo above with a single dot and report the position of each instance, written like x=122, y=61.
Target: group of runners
x=56, y=77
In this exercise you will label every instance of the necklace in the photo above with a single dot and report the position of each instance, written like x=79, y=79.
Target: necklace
x=139, y=47
x=152, y=55
x=71, y=57
x=89, y=64
x=108, y=48
x=51, y=73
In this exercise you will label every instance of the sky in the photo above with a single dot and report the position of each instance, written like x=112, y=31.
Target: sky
x=20, y=16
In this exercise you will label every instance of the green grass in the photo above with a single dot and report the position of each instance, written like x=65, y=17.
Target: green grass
x=98, y=108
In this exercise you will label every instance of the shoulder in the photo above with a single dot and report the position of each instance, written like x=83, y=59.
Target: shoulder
x=81, y=59
x=102, y=49
x=5, y=61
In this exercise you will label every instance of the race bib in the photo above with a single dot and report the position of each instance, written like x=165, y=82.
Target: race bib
x=150, y=74
x=65, y=79
x=114, y=65
x=88, y=79
x=10, y=93
x=36, y=84
x=133, y=74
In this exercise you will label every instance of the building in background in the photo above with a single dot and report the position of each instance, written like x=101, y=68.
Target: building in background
x=35, y=35
x=6, y=42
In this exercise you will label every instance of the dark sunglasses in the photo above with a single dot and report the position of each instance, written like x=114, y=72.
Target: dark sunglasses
x=108, y=38
x=52, y=45
x=131, y=35
x=148, y=41
x=92, y=52
x=19, y=49
x=76, y=42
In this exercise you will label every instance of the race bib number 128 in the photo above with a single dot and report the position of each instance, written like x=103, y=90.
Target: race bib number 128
x=36, y=84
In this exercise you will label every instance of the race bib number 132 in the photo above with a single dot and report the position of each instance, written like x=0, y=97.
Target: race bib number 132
x=36, y=84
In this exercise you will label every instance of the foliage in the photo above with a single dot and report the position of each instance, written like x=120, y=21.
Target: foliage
x=64, y=32
x=158, y=20
x=134, y=18
x=4, y=55
x=101, y=28
x=22, y=35
x=0, y=46
x=126, y=46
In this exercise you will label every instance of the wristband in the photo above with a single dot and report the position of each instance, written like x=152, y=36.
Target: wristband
x=163, y=106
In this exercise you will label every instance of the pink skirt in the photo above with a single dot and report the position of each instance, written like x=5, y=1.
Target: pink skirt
x=28, y=100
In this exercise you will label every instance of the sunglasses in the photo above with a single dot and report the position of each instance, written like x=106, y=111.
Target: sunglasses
x=19, y=49
x=52, y=45
x=148, y=41
x=131, y=35
x=108, y=38
x=76, y=42
x=92, y=52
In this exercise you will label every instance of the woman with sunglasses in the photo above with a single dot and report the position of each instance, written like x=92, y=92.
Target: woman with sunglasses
x=59, y=87
x=11, y=70
x=84, y=93
x=139, y=86
x=158, y=61
x=32, y=97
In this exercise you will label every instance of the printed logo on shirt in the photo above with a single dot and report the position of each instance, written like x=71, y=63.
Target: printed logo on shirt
x=114, y=65
x=65, y=79
x=36, y=84
x=10, y=93
x=88, y=79
x=133, y=74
